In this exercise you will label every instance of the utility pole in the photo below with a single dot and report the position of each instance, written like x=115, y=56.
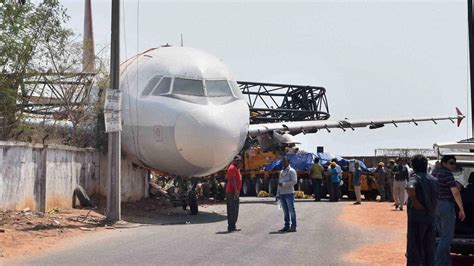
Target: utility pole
x=114, y=152
x=470, y=18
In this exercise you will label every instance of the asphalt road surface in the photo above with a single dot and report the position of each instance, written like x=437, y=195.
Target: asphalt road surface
x=321, y=239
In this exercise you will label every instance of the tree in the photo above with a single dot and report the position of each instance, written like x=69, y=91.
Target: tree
x=28, y=31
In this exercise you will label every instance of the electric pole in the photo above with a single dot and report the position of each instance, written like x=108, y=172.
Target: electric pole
x=114, y=152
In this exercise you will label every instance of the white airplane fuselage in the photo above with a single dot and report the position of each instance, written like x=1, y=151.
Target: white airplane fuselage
x=182, y=111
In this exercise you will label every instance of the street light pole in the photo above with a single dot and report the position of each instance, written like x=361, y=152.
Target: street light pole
x=114, y=152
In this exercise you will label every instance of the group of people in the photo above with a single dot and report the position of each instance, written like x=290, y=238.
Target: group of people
x=391, y=180
x=432, y=200
x=318, y=176
x=431, y=206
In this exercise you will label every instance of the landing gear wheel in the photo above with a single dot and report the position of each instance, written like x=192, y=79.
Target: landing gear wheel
x=193, y=205
x=206, y=190
x=246, y=187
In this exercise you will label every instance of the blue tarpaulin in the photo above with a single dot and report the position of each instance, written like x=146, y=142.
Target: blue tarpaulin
x=303, y=161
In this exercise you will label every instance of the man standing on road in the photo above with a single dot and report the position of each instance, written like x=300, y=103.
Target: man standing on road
x=232, y=191
x=286, y=191
x=423, y=193
x=446, y=216
x=356, y=183
x=335, y=180
x=401, y=178
x=316, y=174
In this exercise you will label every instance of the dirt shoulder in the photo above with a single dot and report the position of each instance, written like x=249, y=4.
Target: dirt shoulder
x=377, y=218
x=26, y=233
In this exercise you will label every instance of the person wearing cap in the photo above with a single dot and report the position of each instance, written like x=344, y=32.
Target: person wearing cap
x=286, y=192
x=232, y=191
x=380, y=179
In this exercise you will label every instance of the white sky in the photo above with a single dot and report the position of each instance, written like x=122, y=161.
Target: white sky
x=377, y=59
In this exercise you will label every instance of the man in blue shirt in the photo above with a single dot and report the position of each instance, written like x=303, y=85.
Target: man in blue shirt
x=446, y=216
x=335, y=179
x=356, y=182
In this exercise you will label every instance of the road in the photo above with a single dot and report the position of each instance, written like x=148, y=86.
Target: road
x=322, y=239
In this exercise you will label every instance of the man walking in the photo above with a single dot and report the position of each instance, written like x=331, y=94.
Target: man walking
x=423, y=192
x=286, y=191
x=316, y=174
x=380, y=179
x=401, y=178
x=446, y=216
x=232, y=191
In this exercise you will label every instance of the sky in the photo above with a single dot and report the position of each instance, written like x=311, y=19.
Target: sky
x=376, y=59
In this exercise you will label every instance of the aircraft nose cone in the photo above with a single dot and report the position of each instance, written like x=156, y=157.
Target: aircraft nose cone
x=208, y=137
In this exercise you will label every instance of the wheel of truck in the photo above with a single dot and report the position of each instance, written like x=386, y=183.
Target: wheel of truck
x=246, y=187
x=305, y=186
x=265, y=185
x=299, y=185
x=252, y=188
x=206, y=189
x=273, y=186
x=192, y=201
x=258, y=185
x=351, y=195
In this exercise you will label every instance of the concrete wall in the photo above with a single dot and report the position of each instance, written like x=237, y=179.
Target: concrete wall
x=42, y=177
x=135, y=179
x=20, y=181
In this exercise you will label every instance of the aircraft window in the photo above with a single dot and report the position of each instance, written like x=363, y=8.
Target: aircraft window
x=163, y=87
x=218, y=88
x=151, y=84
x=188, y=87
x=236, y=89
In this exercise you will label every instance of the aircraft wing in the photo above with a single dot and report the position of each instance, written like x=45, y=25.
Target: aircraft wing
x=296, y=127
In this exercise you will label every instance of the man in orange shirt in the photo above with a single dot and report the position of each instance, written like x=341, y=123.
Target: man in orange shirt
x=232, y=191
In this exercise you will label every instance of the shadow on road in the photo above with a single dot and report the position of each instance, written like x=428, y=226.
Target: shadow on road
x=277, y=233
x=175, y=218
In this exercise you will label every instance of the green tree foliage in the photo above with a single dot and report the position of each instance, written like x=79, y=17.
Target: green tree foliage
x=31, y=36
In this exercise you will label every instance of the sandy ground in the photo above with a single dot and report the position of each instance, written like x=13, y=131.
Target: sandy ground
x=25, y=233
x=377, y=218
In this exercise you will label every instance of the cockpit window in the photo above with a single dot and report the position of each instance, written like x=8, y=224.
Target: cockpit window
x=163, y=87
x=216, y=88
x=151, y=84
x=188, y=87
x=236, y=89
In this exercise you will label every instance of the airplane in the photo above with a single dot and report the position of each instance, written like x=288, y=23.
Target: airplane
x=184, y=113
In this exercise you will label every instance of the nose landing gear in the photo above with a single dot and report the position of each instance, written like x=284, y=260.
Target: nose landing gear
x=188, y=195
